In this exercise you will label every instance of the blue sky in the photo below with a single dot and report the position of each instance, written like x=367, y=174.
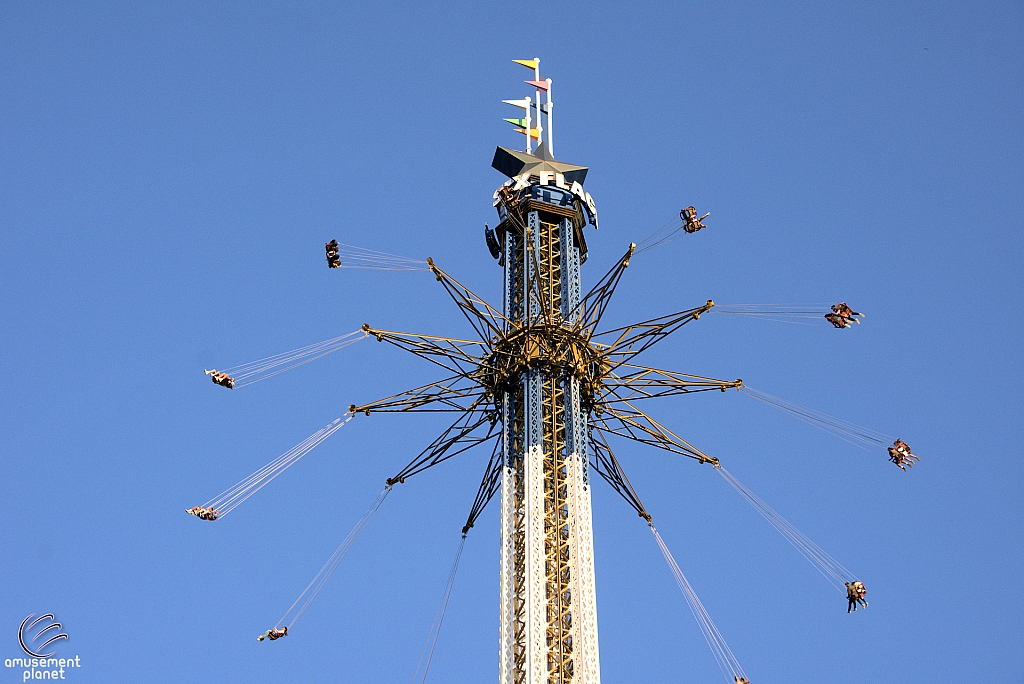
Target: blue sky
x=170, y=172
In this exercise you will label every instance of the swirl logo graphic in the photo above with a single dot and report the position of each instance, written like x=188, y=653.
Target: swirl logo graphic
x=52, y=632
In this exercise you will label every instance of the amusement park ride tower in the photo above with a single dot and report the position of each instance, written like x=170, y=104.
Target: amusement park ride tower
x=548, y=603
x=552, y=388
x=547, y=388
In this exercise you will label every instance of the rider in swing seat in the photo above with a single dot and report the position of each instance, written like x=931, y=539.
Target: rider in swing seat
x=842, y=316
x=332, y=254
x=691, y=224
x=273, y=634
x=855, y=593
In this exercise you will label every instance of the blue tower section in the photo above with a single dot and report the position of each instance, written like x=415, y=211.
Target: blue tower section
x=549, y=618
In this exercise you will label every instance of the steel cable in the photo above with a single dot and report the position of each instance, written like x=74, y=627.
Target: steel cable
x=667, y=233
x=435, y=626
x=256, y=371
x=728, y=663
x=228, y=500
x=351, y=256
x=321, y=578
x=794, y=314
x=855, y=434
x=834, y=571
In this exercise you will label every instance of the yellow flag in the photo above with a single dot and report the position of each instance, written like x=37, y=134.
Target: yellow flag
x=534, y=132
x=528, y=63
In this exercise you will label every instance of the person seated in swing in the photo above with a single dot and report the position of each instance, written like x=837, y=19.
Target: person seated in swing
x=222, y=379
x=203, y=513
x=507, y=197
x=837, y=320
x=741, y=680
x=842, y=316
x=861, y=593
x=900, y=454
x=895, y=456
x=333, y=260
x=855, y=593
x=273, y=634
x=851, y=598
x=691, y=224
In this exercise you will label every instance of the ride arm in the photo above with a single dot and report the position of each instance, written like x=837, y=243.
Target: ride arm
x=489, y=486
x=487, y=321
x=437, y=397
x=452, y=442
x=641, y=382
x=626, y=342
x=592, y=307
x=632, y=423
x=451, y=354
x=607, y=466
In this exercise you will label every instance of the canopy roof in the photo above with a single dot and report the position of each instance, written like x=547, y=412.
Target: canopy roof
x=513, y=163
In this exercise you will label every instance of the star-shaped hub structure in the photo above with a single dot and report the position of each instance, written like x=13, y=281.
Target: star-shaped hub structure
x=555, y=342
x=548, y=385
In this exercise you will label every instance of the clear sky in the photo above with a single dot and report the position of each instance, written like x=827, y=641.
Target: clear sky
x=169, y=173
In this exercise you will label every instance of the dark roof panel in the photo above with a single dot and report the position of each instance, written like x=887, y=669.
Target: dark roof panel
x=513, y=163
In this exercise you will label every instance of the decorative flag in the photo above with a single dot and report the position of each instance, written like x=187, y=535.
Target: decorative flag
x=517, y=122
x=534, y=132
x=540, y=85
x=522, y=104
x=528, y=63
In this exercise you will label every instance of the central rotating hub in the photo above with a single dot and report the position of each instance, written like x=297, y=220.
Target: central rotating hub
x=556, y=351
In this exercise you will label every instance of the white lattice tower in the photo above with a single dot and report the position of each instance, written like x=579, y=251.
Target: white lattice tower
x=548, y=600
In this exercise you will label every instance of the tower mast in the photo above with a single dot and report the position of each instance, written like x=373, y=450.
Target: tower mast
x=548, y=601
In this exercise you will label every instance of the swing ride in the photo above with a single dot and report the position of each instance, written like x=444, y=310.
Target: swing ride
x=546, y=385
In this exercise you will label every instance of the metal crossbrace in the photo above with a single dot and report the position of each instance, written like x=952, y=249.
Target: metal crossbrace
x=477, y=311
x=530, y=234
x=437, y=397
x=489, y=485
x=440, y=450
x=460, y=360
x=632, y=423
x=534, y=273
x=630, y=340
x=595, y=302
x=642, y=382
x=608, y=467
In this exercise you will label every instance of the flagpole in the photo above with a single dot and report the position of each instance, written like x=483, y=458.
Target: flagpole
x=523, y=125
x=551, y=137
x=528, y=150
x=536, y=77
